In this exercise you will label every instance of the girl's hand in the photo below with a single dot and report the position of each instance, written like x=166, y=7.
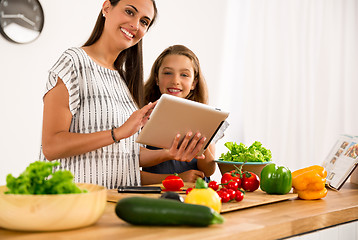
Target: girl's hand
x=191, y=175
x=137, y=120
x=188, y=149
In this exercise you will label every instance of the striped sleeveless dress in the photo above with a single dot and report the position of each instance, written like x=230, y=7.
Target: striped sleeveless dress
x=98, y=100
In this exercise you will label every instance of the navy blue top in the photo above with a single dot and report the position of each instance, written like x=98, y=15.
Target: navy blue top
x=172, y=166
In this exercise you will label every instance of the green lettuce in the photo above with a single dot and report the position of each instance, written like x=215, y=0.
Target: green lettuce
x=240, y=153
x=40, y=178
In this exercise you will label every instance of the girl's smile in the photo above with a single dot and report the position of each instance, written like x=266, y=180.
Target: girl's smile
x=176, y=76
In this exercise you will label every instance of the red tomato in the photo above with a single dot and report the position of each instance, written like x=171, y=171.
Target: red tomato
x=214, y=185
x=232, y=176
x=250, y=181
x=239, y=196
x=173, y=183
x=226, y=177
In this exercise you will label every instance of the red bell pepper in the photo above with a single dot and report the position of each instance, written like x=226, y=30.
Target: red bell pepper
x=173, y=183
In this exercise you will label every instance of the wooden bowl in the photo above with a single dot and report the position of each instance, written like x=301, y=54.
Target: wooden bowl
x=255, y=167
x=52, y=212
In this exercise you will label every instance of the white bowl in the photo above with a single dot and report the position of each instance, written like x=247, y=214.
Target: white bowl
x=52, y=212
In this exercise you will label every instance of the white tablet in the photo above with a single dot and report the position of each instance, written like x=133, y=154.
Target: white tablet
x=173, y=115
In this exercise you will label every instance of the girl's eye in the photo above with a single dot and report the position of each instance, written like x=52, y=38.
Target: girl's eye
x=184, y=75
x=167, y=73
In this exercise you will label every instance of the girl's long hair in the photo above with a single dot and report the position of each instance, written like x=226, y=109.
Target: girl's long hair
x=151, y=89
x=129, y=62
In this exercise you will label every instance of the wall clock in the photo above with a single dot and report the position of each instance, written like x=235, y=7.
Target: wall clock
x=21, y=21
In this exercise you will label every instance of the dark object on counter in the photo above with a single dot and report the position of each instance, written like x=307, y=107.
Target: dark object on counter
x=139, y=189
x=172, y=196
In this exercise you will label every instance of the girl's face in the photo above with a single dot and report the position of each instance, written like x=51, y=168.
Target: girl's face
x=128, y=21
x=176, y=76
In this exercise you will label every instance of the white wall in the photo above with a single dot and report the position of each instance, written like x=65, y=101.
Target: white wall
x=23, y=68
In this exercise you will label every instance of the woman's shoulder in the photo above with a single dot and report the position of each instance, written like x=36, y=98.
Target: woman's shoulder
x=74, y=56
x=73, y=52
x=70, y=60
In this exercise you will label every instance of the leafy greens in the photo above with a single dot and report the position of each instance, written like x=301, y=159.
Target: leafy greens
x=240, y=153
x=37, y=179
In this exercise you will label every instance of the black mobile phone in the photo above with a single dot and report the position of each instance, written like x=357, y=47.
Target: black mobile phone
x=139, y=189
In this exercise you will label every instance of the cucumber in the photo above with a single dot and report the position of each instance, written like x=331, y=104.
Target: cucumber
x=164, y=212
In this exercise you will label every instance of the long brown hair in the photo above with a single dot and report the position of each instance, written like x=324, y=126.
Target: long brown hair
x=198, y=94
x=129, y=62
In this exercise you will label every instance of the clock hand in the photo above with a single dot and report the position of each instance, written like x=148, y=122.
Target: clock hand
x=27, y=20
x=20, y=16
x=10, y=15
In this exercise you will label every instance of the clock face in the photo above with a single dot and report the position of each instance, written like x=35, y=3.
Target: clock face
x=21, y=21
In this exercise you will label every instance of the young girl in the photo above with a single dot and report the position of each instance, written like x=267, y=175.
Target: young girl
x=177, y=72
x=91, y=117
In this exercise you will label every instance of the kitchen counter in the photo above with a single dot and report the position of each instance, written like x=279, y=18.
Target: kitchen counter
x=271, y=221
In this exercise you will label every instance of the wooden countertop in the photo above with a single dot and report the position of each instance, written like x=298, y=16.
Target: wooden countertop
x=270, y=221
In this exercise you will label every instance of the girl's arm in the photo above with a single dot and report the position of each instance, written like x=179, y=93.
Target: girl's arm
x=58, y=142
x=155, y=178
x=207, y=165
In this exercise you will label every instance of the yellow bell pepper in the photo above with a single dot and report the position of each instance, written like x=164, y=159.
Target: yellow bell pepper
x=203, y=195
x=310, y=182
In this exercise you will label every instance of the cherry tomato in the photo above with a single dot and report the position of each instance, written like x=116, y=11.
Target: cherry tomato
x=239, y=181
x=232, y=193
x=239, y=196
x=214, y=185
x=232, y=185
x=225, y=197
x=250, y=181
x=188, y=190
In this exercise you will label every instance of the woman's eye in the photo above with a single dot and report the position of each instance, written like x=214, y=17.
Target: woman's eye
x=144, y=22
x=129, y=12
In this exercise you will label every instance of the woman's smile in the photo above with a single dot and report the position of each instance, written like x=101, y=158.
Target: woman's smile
x=127, y=33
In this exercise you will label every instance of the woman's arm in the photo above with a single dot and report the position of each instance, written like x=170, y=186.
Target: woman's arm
x=58, y=142
x=207, y=165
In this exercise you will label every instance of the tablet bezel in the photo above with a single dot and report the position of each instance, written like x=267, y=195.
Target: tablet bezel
x=173, y=115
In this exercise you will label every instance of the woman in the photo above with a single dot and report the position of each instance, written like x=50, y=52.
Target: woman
x=91, y=117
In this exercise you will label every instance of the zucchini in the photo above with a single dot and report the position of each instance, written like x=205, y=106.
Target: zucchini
x=162, y=212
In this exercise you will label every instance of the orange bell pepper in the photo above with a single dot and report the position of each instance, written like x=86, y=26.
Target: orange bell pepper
x=310, y=182
x=312, y=195
x=320, y=170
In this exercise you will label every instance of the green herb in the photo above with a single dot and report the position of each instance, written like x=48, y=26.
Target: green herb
x=241, y=153
x=40, y=178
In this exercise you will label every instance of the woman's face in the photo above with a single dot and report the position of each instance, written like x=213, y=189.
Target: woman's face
x=127, y=22
x=176, y=76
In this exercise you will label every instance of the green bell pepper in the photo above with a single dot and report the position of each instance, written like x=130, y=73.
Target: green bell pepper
x=275, y=179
